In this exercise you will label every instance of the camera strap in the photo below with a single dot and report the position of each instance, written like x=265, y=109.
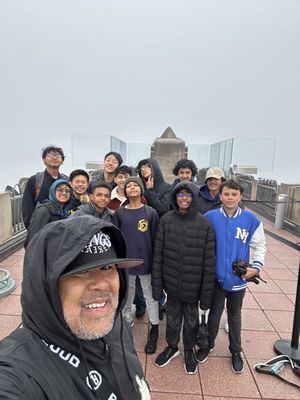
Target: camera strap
x=275, y=365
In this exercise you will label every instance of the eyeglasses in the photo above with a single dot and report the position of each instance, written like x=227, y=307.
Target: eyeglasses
x=52, y=155
x=60, y=190
x=181, y=195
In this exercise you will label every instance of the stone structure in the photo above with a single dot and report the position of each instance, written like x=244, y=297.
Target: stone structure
x=5, y=217
x=167, y=150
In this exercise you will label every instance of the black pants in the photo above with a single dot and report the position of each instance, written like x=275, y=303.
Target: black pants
x=234, y=302
x=176, y=310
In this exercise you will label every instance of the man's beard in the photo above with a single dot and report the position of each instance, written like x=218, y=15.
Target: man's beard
x=81, y=329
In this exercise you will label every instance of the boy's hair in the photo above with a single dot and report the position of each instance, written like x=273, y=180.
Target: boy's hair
x=117, y=155
x=100, y=184
x=185, y=164
x=50, y=148
x=231, y=184
x=77, y=172
x=123, y=169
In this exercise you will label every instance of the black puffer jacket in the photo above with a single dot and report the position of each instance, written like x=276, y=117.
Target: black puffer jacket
x=184, y=256
x=159, y=196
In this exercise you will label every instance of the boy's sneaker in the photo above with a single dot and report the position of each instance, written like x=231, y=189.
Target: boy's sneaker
x=190, y=362
x=202, y=354
x=226, y=327
x=129, y=319
x=140, y=310
x=237, y=363
x=166, y=356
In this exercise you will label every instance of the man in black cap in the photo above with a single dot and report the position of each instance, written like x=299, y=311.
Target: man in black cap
x=74, y=343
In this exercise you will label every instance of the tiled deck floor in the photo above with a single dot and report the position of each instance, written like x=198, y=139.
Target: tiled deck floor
x=267, y=315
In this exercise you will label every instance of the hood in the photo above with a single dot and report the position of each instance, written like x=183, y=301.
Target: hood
x=204, y=192
x=60, y=210
x=156, y=171
x=47, y=256
x=191, y=187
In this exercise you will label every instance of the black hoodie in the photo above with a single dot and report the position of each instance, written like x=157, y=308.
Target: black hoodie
x=44, y=360
x=184, y=255
x=159, y=196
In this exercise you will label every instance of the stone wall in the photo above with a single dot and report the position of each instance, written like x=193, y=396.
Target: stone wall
x=5, y=217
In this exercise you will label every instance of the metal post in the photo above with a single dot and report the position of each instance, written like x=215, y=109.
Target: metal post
x=280, y=213
x=291, y=348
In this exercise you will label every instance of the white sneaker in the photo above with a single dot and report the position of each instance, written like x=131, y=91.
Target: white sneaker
x=226, y=327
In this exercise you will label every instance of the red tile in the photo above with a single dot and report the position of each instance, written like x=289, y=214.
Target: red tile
x=172, y=396
x=172, y=378
x=287, y=287
x=10, y=261
x=259, y=344
x=269, y=287
x=273, y=301
x=218, y=379
x=281, y=273
x=10, y=305
x=140, y=334
x=250, y=302
x=281, y=320
x=255, y=320
x=8, y=324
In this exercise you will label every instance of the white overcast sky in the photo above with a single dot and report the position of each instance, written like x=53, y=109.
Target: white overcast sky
x=210, y=69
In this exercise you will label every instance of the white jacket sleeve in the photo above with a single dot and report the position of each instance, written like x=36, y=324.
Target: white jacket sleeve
x=258, y=246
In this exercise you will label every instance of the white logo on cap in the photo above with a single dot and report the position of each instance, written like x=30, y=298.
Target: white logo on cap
x=100, y=243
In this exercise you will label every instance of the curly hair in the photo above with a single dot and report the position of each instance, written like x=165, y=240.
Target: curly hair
x=185, y=164
x=55, y=149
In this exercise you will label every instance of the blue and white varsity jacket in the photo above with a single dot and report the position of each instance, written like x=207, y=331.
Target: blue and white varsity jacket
x=234, y=237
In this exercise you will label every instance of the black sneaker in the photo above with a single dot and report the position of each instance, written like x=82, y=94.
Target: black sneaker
x=190, y=362
x=237, y=363
x=140, y=310
x=166, y=356
x=202, y=354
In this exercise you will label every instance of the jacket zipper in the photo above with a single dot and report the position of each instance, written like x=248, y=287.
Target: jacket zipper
x=108, y=354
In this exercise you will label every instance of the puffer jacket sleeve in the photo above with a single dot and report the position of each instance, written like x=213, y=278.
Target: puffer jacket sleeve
x=157, y=282
x=209, y=268
x=159, y=201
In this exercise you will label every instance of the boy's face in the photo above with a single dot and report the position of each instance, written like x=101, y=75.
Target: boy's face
x=146, y=171
x=184, y=174
x=213, y=184
x=110, y=164
x=79, y=184
x=120, y=180
x=133, y=190
x=100, y=198
x=184, y=200
x=230, y=198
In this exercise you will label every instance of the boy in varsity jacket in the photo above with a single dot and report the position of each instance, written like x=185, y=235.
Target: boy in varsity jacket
x=139, y=223
x=236, y=231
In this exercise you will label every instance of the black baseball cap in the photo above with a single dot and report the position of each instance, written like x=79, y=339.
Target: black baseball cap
x=100, y=251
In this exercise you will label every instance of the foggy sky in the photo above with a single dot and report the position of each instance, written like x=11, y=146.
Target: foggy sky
x=210, y=69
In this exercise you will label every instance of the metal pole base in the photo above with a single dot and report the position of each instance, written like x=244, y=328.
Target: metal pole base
x=283, y=346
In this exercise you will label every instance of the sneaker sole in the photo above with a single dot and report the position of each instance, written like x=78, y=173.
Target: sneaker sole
x=167, y=362
x=237, y=372
x=191, y=372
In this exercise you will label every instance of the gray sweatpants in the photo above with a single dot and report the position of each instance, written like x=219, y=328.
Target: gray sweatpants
x=152, y=305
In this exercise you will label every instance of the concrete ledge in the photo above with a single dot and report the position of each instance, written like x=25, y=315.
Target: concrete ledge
x=10, y=246
x=5, y=217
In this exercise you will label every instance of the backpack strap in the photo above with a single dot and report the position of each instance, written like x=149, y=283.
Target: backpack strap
x=39, y=178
